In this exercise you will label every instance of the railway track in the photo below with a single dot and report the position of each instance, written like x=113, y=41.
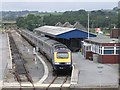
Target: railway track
x=62, y=80
x=21, y=73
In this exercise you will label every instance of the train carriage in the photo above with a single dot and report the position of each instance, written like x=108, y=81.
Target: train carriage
x=57, y=53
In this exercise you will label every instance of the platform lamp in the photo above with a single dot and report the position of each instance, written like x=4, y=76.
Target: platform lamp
x=118, y=13
x=119, y=54
x=88, y=25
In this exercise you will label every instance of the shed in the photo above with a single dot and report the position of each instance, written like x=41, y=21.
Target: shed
x=72, y=37
x=105, y=48
x=63, y=32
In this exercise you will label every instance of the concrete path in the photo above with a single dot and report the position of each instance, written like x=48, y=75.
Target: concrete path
x=3, y=56
x=93, y=74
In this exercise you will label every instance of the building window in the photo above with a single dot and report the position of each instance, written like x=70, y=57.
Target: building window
x=100, y=50
x=97, y=48
x=117, y=51
x=88, y=48
x=93, y=47
x=109, y=48
x=108, y=51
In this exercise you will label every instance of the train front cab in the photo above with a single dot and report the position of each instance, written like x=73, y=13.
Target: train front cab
x=62, y=61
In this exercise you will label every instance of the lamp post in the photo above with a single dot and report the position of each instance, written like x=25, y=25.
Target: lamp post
x=88, y=25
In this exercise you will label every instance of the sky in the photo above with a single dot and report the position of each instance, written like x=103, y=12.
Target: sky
x=59, y=0
x=57, y=5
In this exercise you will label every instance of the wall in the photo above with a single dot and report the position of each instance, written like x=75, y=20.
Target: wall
x=111, y=59
x=114, y=33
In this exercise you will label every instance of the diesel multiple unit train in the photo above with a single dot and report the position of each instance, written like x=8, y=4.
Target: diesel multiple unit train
x=57, y=53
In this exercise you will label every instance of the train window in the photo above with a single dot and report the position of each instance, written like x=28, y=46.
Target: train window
x=62, y=55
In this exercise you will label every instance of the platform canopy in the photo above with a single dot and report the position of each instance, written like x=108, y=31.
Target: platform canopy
x=63, y=32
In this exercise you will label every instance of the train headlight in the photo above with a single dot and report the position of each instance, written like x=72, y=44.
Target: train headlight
x=68, y=63
x=57, y=63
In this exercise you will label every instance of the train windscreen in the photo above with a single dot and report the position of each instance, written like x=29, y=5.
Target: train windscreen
x=62, y=55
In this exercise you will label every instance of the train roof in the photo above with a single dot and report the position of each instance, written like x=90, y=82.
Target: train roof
x=43, y=38
x=47, y=40
x=29, y=32
x=54, y=43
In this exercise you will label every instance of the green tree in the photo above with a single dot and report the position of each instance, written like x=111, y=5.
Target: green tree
x=20, y=21
x=98, y=18
x=30, y=22
x=119, y=19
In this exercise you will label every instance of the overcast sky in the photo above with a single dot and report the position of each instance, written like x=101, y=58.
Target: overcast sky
x=59, y=0
x=51, y=6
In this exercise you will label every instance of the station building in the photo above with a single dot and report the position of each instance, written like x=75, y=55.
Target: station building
x=71, y=37
x=115, y=33
x=102, y=49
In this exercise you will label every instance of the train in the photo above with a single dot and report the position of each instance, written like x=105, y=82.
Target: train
x=57, y=53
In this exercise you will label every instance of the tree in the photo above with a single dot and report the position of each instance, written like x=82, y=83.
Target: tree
x=99, y=18
x=20, y=21
x=119, y=19
x=30, y=22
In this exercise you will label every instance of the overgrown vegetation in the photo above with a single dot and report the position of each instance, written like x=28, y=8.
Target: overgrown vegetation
x=100, y=18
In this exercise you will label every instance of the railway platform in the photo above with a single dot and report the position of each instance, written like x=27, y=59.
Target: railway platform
x=4, y=56
x=90, y=74
x=86, y=75
x=34, y=66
